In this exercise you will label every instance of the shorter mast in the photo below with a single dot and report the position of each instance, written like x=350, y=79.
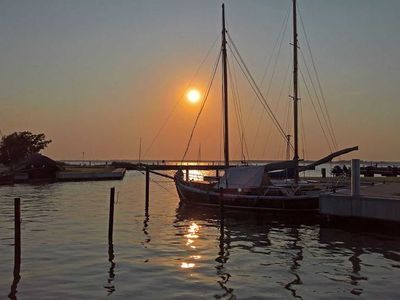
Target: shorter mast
x=225, y=90
x=140, y=150
x=295, y=95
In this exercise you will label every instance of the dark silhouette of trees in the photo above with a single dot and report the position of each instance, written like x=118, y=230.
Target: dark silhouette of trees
x=18, y=145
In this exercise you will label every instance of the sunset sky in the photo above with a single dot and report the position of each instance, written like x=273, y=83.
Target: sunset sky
x=96, y=76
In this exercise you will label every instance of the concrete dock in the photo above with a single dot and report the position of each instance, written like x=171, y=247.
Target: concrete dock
x=378, y=201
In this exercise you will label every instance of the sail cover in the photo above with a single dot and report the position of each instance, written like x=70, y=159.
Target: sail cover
x=242, y=177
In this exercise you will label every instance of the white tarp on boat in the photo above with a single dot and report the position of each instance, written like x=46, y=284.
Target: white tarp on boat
x=243, y=177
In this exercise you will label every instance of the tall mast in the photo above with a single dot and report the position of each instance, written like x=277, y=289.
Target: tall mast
x=225, y=90
x=295, y=93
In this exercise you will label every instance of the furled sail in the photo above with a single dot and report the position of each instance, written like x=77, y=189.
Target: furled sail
x=242, y=177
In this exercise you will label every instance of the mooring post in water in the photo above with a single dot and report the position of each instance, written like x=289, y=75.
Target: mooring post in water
x=217, y=173
x=147, y=187
x=187, y=173
x=17, y=248
x=17, y=234
x=355, y=177
x=111, y=216
x=221, y=210
x=323, y=172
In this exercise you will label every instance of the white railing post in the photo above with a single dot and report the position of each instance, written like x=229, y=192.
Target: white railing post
x=355, y=177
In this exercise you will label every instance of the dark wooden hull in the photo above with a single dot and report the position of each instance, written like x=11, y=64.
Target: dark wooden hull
x=196, y=195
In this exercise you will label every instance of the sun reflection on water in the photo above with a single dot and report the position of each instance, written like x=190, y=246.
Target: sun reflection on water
x=185, y=265
x=192, y=236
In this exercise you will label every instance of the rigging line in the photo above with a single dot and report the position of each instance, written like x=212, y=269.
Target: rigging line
x=253, y=146
x=256, y=90
x=318, y=80
x=244, y=140
x=268, y=90
x=289, y=103
x=315, y=110
x=221, y=129
x=287, y=126
x=286, y=122
x=303, y=132
x=157, y=182
x=319, y=102
x=275, y=64
x=202, y=105
x=238, y=109
x=288, y=119
x=279, y=41
x=181, y=98
x=163, y=187
x=263, y=102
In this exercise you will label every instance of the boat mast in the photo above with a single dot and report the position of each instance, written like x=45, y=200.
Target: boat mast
x=225, y=89
x=295, y=94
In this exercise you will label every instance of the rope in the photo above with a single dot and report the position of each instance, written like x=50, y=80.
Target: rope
x=181, y=98
x=157, y=182
x=279, y=40
x=238, y=112
x=255, y=88
x=202, y=106
x=315, y=110
x=329, y=122
x=303, y=131
x=319, y=104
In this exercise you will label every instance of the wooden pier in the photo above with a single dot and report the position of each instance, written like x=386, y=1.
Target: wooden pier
x=170, y=166
x=371, y=171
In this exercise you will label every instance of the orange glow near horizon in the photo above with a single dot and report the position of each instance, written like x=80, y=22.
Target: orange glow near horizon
x=193, y=96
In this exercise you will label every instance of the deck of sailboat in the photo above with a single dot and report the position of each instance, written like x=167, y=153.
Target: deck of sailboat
x=268, y=198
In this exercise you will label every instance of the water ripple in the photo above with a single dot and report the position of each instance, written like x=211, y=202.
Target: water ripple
x=172, y=252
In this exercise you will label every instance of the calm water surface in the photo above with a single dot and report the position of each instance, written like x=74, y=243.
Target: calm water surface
x=179, y=253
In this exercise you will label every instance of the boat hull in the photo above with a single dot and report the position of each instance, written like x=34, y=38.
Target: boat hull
x=194, y=195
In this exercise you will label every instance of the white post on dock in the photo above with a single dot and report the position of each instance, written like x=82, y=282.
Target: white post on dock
x=355, y=177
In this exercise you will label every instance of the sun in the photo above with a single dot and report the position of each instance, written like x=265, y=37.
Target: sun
x=193, y=96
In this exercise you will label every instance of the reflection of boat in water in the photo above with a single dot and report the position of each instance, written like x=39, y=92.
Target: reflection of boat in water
x=250, y=187
x=250, y=234
x=244, y=220
x=297, y=259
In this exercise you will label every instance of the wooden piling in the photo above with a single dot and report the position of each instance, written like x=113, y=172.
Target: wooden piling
x=111, y=216
x=147, y=196
x=17, y=231
x=187, y=173
x=17, y=248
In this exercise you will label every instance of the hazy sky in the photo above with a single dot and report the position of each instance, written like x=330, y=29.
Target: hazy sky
x=95, y=76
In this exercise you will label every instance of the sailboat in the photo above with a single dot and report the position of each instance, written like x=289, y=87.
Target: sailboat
x=251, y=187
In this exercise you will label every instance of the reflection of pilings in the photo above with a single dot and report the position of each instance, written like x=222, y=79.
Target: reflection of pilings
x=111, y=275
x=355, y=277
x=17, y=248
x=296, y=265
x=223, y=253
x=221, y=211
x=222, y=258
x=146, y=225
x=147, y=191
